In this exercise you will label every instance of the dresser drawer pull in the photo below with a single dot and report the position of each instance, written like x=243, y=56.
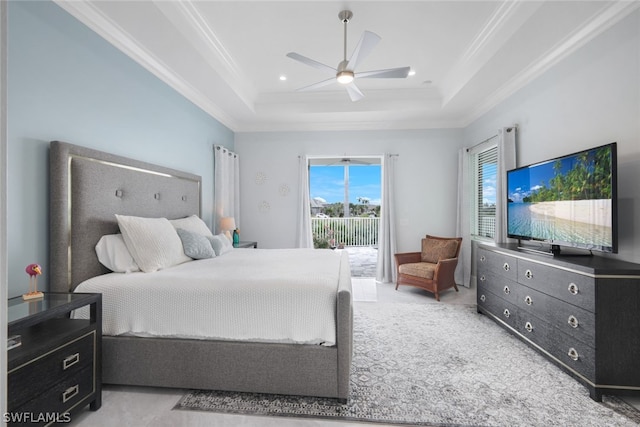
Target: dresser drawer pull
x=70, y=361
x=482, y=258
x=573, y=289
x=528, y=300
x=573, y=321
x=507, y=313
x=482, y=278
x=70, y=393
x=483, y=298
x=507, y=290
x=528, y=326
x=573, y=354
x=506, y=266
x=528, y=274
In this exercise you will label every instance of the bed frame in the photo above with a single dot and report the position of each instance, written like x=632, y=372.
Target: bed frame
x=87, y=187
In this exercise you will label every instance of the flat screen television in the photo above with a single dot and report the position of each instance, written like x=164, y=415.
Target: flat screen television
x=567, y=201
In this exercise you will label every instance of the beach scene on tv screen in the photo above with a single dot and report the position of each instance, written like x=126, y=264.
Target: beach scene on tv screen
x=564, y=200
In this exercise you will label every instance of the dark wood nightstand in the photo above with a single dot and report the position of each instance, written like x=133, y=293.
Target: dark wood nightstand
x=246, y=244
x=57, y=368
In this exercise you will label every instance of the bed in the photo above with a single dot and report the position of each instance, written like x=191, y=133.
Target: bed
x=87, y=189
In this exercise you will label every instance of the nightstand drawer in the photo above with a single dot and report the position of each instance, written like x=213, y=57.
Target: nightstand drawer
x=44, y=372
x=63, y=396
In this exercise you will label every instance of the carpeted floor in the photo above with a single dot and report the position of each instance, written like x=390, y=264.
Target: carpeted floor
x=441, y=365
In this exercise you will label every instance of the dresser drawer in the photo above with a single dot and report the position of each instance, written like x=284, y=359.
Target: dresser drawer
x=567, y=349
x=574, y=288
x=572, y=320
x=63, y=396
x=497, y=285
x=499, y=264
x=43, y=373
x=497, y=306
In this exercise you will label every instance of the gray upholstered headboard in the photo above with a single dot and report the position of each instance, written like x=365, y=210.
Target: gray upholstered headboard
x=87, y=188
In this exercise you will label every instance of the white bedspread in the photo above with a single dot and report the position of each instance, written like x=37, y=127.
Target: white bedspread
x=267, y=295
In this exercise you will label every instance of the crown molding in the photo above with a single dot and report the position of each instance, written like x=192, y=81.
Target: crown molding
x=498, y=29
x=190, y=22
x=97, y=21
x=601, y=21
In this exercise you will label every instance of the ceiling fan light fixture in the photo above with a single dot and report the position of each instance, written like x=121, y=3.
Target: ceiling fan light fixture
x=345, y=77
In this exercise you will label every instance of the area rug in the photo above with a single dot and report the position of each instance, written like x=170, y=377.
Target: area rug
x=438, y=365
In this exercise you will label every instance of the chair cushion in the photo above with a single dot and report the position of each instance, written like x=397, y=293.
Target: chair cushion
x=433, y=250
x=424, y=270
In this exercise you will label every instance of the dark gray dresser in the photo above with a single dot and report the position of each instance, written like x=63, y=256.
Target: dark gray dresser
x=581, y=312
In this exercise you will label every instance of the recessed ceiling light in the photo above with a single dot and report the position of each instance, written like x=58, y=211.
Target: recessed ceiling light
x=283, y=78
x=412, y=73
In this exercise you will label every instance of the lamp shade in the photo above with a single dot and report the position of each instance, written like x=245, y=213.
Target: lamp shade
x=228, y=223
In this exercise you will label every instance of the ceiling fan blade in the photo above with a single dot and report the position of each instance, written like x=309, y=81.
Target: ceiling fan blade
x=317, y=85
x=391, y=73
x=364, y=47
x=354, y=92
x=312, y=63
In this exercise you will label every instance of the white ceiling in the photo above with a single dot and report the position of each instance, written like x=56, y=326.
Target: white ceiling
x=227, y=56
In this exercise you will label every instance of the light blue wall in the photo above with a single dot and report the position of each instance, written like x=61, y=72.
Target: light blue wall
x=66, y=83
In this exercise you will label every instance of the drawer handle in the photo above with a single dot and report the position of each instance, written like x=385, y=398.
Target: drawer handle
x=507, y=313
x=528, y=300
x=482, y=258
x=573, y=354
x=70, y=361
x=506, y=266
x=70, y=393
x=482, y=278
x=573, y=321
x=528, y=326
x=528, y=274
x=573, y=289
x=507, y=290
x=483, y=298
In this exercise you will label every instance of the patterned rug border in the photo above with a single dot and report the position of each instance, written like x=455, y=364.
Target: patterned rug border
x=268, y=405
x=614, y=403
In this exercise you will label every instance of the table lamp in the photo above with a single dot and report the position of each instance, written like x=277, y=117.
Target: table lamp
x=227, y=224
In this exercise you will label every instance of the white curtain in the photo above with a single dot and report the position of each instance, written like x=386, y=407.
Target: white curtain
x=304, y=236
x=385, y=270
x=463, y=227
x=506, y=161
x=226, y=186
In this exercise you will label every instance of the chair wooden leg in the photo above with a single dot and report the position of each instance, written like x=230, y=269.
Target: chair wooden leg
x=437, y=296
x=397, y=285
x=455, y=287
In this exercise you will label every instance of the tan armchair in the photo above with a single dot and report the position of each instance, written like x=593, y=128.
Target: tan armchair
x=431, y=269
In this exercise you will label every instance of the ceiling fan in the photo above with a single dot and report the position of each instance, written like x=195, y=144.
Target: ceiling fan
x=344, y=73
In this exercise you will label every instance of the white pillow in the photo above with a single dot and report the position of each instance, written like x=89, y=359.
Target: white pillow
x=192, y=223
x=153, y=242
x=113, y=254
x=220, y=244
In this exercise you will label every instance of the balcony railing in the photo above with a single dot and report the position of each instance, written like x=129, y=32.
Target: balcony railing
x=347, y=231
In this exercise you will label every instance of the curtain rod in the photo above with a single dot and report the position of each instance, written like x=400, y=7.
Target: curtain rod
x=509, y=129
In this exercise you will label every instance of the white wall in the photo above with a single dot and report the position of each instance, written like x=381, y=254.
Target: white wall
x=425, y=179
x=589, y=99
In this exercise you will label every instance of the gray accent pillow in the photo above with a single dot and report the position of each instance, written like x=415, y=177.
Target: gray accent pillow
x=195, y=245
x=220, y=244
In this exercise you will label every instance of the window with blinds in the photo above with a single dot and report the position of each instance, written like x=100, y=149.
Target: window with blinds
x=485, y=176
